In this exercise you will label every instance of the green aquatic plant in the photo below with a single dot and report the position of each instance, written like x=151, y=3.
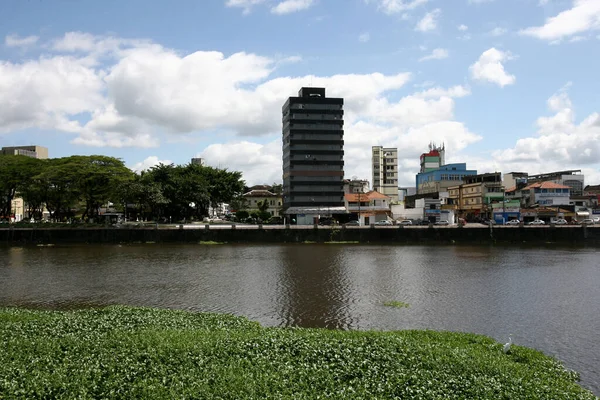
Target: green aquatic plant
x=396, y=304
x=124, y=353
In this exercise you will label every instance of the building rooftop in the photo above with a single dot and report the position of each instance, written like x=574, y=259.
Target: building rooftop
x=260, y=193
x=555, y=173
x=546, y=185
x=372, y=195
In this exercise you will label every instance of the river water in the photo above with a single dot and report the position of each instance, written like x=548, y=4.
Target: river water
x=547, y=298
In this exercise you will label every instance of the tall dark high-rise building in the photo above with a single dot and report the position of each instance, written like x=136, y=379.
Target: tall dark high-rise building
x=313, y=154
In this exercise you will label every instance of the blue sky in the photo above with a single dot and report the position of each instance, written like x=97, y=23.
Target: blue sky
x=507, y=85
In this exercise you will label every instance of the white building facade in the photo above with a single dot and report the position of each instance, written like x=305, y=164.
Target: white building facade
x=385, y=171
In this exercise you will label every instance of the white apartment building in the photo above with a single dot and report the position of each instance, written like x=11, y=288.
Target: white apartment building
x=385, y=171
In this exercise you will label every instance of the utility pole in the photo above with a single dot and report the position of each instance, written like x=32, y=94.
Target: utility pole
x=359, y=208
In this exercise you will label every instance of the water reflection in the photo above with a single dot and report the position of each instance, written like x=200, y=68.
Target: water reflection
x=315, y=287
x=547, y=298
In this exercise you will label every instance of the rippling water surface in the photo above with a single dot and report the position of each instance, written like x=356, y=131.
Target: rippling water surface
x=547, y=298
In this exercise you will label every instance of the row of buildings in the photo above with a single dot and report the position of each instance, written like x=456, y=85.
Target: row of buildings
x=314, y=187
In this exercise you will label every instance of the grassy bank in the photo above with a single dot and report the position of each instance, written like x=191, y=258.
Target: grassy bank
x=120, y=352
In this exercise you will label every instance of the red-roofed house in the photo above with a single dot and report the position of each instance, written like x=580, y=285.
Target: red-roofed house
x=547, y=194
x=368, y=207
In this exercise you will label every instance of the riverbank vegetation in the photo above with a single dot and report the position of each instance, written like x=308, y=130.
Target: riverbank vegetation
x=121, y=352
x=396, y=304
x=78, y=187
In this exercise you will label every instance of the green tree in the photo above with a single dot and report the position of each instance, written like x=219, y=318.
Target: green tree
x=16, y=173
x=57, y=185
x=277, y=188
x=263, y=206
x=241, y=215
x=239, y=203
x=98, y=180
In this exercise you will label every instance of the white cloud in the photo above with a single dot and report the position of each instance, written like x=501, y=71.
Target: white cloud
x=148, y=163
x=578, y=39
x=489, y=68
x=115, y=140
x=260, y=163
x=75, y=41
x=83, y=42
x=291, y=6
x=289, y=60
x=397, y=6
x=582, y=17
x=498, y=31
x=463, y=28
x=560, y=142
x=424, y=84
x=364, y=37
x=18, y=41
x=409, y=124
x=44, y=92
x=429, y=21
x=246, y=5
x=436, y=54
x=454, y=91
x=139, y=94
x=206, y=90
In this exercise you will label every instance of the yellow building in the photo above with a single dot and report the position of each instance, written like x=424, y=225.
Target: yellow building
x=474, y=198
x=17, y=204
x=256, y=197
x=29, y=151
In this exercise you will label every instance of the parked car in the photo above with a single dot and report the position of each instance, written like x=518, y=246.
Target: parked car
x=537, y=222
x=405, y=222
x=513, y=222
x=384, y=222
x=444, y=223
x=352, y=223
x=587, y=221
x=560, y=221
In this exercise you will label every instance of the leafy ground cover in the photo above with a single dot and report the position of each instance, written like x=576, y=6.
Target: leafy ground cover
x=396, y=304
x=121, y=352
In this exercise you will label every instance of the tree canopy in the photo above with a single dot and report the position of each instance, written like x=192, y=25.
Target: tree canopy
x=82, y=185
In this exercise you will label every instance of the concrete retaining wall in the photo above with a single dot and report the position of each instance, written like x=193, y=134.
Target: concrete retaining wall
x=584, y=235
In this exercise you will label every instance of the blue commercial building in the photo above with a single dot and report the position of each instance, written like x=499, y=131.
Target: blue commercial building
x=440, y=179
